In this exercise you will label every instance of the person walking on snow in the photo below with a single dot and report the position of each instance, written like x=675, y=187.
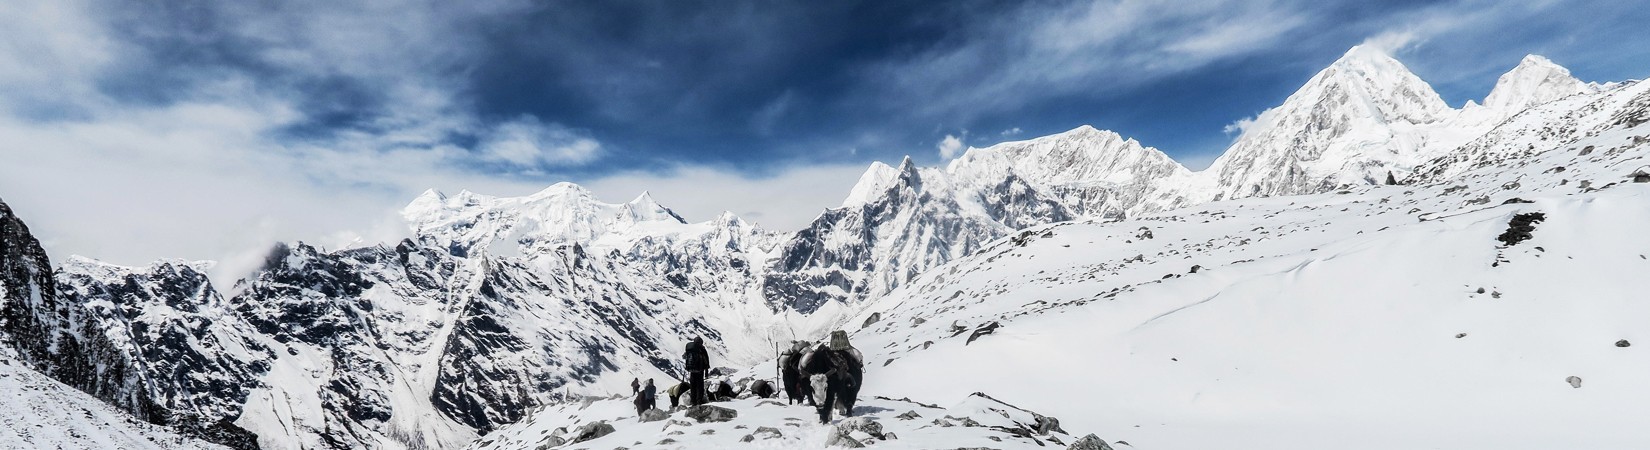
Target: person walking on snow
x=635, y=385
x=837, y=369
x=696, y=360
x=646, y=398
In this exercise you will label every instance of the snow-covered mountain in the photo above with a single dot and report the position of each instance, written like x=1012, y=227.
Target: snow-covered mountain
x=1352, y=123
x=496, y=306
x=1450, y=312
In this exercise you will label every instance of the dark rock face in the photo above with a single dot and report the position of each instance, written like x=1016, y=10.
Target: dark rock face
x=913, y=226
x=355, y=330
x=143, y=341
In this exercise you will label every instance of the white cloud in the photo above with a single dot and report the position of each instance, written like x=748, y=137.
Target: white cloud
x=531, y=144
x=1238, y=127
x=950, y=146
x=1040, y=52
x=1011, y=132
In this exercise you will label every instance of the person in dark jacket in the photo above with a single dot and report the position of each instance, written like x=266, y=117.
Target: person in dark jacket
x=696, y=360
x=761, y=389
x=796, y=384
x=646, y=398
x=840, y=368
x=635, y=385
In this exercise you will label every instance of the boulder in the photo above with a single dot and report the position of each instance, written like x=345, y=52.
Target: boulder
x=1574, y=381
x=982, y=331
x=593, y=430
x=843, y=440
x=908, y=415
x=1623, y=343
x=1090, y=442
x=864, y=424
x=711, y=413
x=654, y=415
x=1046, y=425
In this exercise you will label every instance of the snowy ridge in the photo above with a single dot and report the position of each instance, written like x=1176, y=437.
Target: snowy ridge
x=1317, y=316
x=1364, y=120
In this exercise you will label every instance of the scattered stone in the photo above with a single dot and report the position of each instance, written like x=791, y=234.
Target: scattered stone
x=741, y=427
x=747, y=438
x=593, y=430
x=769, y=430
x=994, y=438
x=711, y=413
x=1480, y=290
x=875, y=317
x=864, y=424
x=943, y=423
x=679, y=423
x=1495, y=294
x=1460, y=335
x=1623, y=343
x=982, y=331
x=843, y=440
x=654, y=415
x=675, y=433
x=908, y=415
x=1520, y=227
x=769, y=402
x=708, y=431
x=1196, y=268
x=1090, y=442
x=889, y=436
x=1516, y=200
x=667, y=441
x=1574, y=381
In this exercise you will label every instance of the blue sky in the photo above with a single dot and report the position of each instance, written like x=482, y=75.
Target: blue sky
x=298, y=119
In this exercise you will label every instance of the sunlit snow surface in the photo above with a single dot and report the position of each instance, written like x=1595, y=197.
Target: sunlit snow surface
x=1372, y=317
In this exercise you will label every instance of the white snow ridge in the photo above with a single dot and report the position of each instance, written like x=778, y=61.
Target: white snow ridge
x=1364, y=268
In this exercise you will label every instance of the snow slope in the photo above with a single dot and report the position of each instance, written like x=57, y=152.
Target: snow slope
x=1373, y=317
x=43, y=413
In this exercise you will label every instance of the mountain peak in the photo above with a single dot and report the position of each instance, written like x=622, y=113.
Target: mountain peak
x=1534, y=81
x=872, y=184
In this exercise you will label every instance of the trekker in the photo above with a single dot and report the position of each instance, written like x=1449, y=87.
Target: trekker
x=635, y=385
x=696, y=360
x=646, y=398
x=675, y=392
x=796, y=385
x=841, y=368
x=761, y=389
